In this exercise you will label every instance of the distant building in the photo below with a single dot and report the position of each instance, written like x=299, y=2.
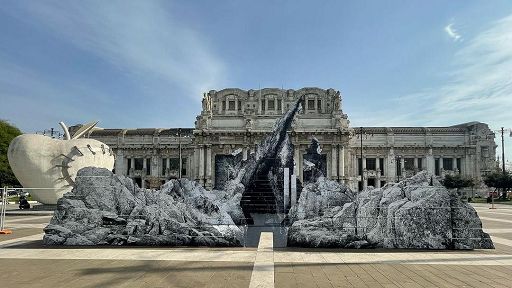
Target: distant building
x=234, y=120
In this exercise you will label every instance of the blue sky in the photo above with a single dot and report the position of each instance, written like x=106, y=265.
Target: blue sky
x=147, y=63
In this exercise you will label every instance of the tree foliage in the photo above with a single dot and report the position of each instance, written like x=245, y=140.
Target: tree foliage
x=499, y=180
x=457, y=181
x=7, y=133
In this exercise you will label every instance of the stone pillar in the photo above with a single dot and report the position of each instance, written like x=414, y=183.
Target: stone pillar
x=440, y=166
x=391, y=166
x=334, y=162
x=296, y=160
x=155, y=169
x=416, y=164
x=119, y=163
x=209, y=179
x=201, y=165
x=430, y=162
x=454, y=164
x=286, y=188
x=301, y=166
x=245, y=152
x=342, y=161
x=144, y=165
x=168, y=164
x=293, y=182
x=377, y=165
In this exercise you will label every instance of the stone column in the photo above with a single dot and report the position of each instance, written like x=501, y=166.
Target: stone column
x=342, y=161
x=119, y=164
x=416, y=164
x=334, y=163
x=201, y=165
x=402, y=167
x=296, y=160
x=430, y=162
x=245, y=152
x=168, y=164
x=301, y=166
x=209, y=167
x=286, y=188
x=144, y=165
x=454, y=164
x=377, y=168
x=155, y=169
x=440, y=166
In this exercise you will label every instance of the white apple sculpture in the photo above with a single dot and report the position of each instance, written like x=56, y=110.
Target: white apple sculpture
x=50, y=165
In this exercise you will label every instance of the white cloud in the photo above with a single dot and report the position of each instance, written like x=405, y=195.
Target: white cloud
x=138, y=37
x=452, y=32
x=478, y=87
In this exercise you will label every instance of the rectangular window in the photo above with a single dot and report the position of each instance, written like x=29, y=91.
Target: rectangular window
x=371, y=164
x=239, y=105
x=319, y=103
x=174, y=164
x=448, y=163
x=381, y=165
x=164, y=166
x=436, y=168
x=148, y=166
x=371, y=182
x=382, y=183
x=139, y=163
x=279, y=105
x=459, y=165
x=420, y=164
x=271, y=105
x=231, y=104
x=263, y=105
x=311, y=104
x=183, y=166
x=409, y=164
x=484, y=151
x=128, y=165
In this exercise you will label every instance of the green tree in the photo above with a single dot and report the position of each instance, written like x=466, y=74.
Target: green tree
x=7, y=133
x=499, y=180
x=457, y=181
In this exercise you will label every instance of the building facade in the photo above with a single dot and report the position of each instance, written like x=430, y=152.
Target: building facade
x=234, y=121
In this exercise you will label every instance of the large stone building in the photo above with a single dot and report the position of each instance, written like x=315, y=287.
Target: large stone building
x=233, y=121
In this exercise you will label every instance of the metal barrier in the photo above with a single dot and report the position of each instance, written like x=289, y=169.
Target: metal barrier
x=2, y=212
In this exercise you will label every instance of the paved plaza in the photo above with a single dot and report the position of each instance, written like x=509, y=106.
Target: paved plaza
x=25, y=262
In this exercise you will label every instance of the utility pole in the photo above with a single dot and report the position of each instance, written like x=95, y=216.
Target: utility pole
x=361, y=168
x=503, y=150
x=179, y=151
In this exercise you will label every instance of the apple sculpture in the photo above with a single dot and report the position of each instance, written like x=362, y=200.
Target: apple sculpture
x=49, y=166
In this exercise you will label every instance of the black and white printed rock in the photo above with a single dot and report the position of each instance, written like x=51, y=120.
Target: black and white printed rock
x=107, y=209
x=417, y=212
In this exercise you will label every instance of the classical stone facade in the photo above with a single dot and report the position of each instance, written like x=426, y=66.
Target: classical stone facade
x=234, y=121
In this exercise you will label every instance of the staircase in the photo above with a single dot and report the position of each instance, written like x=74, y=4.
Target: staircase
x=259, y=198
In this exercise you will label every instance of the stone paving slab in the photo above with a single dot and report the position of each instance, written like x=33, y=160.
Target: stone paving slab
x=118, y=273
x=19, y=233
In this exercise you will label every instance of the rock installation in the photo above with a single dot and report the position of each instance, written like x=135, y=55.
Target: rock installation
x=418, y=212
